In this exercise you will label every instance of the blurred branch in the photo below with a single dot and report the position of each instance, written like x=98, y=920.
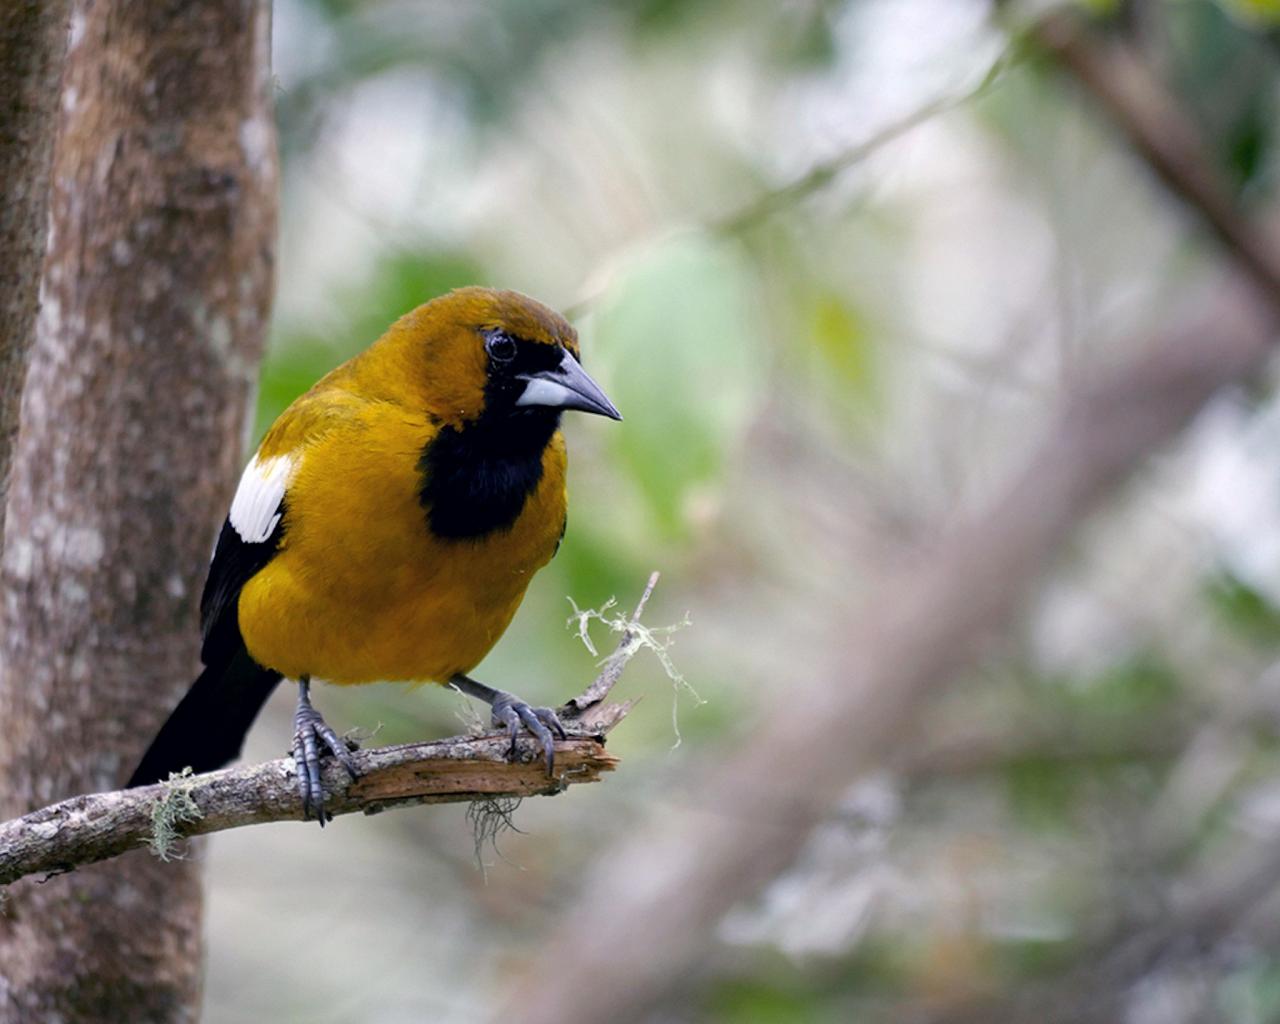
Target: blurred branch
x=97, y=826
x=1164, y=136
x=1106, y=969
x=978, y=751
x=659, y=896
x=821, y=174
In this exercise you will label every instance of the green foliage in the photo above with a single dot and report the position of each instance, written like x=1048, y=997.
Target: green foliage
x=1101, y=7
x=1031, y=958
x=1028, y=112
x=483, y=53
x=590, y=564
x=811, y=41
x=1254, y=13
x=751, y=1001
x=841, y=336
x=1121, y=701
x=794, y=37
x=684, y=355
x=844, y=370
x=1042, y=791
x=399, y=282
x=782, y=992
x=1251, y=993
x=1224, y=74
x=1127, y=691
x=286, y=374
x=1244, y=610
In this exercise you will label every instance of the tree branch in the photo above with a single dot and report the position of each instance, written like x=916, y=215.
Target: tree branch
x=1144, y=111
x=97, y=826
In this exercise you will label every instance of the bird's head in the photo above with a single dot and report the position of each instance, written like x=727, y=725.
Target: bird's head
x=481, y=352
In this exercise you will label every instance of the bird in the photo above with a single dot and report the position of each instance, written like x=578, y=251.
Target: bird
x=386, y=529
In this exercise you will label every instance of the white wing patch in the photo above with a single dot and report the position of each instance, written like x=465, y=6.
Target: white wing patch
x=255, y=510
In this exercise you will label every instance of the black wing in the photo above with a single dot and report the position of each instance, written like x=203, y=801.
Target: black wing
x=235, y=562
x=207, y=728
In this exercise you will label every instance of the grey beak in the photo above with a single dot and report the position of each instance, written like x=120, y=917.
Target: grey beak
x=567, y=387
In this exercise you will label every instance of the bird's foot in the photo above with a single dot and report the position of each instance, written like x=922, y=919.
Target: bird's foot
x=312, y=739
x=511, y=713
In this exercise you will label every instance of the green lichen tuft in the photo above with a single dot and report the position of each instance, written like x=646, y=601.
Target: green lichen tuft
x=170, y=812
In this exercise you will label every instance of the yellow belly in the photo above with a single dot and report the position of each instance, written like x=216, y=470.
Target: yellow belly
x=361, y=591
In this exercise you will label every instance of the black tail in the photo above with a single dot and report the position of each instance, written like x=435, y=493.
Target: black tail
x=207, y=729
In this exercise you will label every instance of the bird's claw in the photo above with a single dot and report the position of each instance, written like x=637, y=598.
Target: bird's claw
x=312, y=738
x=511, y=713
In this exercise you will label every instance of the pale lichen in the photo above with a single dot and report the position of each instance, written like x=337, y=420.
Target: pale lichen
x=170, y=811
x=636, y=635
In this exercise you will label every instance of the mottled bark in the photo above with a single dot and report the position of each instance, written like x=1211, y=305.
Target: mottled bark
x=153, y=311
x=33, y=40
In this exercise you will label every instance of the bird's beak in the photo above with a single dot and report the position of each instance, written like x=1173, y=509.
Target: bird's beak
x=567, y=386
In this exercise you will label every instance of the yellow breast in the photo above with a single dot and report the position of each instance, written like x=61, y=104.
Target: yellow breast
x=361, y=590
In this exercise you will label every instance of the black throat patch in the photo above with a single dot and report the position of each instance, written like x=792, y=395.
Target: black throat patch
x=475, y=481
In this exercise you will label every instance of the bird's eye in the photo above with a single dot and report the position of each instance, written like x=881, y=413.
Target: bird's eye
x=501, y=347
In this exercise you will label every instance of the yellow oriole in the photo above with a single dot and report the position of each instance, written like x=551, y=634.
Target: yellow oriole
x=387, y=527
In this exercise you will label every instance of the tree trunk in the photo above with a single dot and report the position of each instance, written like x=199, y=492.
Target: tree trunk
x=155, y=299
x=33, y=40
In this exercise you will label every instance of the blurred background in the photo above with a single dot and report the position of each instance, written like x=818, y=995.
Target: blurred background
x=835, y=262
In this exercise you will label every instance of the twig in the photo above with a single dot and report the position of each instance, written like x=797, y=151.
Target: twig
x=617, y=661
x=823, y=173
x=96, y=826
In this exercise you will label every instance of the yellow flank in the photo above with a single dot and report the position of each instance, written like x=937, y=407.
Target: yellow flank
x=360, y=589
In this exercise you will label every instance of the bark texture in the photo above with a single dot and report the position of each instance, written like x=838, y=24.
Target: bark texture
x=33, y=40
x=154, y=306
